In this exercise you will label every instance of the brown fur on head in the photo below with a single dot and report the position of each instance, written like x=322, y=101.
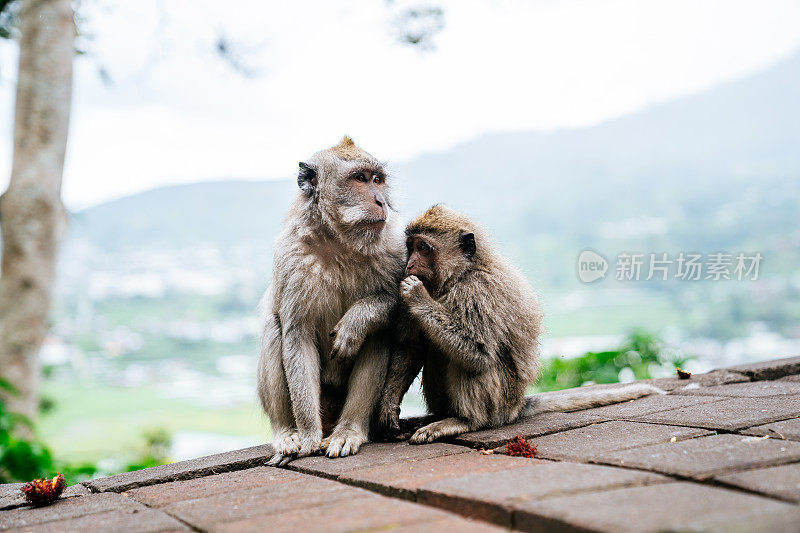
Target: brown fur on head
x=442, y=244
x=347, y=150
x=345, y=188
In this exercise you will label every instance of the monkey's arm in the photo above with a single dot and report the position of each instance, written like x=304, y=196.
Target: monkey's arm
x=364, y=317
x=445, y=329
x=374, y=312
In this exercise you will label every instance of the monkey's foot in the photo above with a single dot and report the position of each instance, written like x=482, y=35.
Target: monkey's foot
x=286, y=446
x=439, y=429
x=344, y=442
x=293, y=446
x=389, y=422
x=286, y=442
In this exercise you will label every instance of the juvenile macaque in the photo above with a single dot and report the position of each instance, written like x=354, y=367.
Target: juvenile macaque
x=474, y=322
x=325, y=344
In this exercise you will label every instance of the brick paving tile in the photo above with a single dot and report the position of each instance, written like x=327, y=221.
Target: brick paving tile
x=67, y=508
x=205, y=513
x=774, y=369
x=203, y=466
x=370, y=512
x=647, y=405
x=176, y=491
x=374, y=454
x=751, y=389
x=663, y=507
x=9, y=488
x=491, y=496
x=730, y=414
x=787, y=429
x=532, y=426
x=134, y=520
x=449, y=525
x=584, y=444
x=566, y=392
x=715, y=377
x=11, y=496
x=706, y=456
x=779, y=481
x=402, y=479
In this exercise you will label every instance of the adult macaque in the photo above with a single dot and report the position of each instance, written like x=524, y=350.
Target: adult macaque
x=325, y=344
x=474, y=322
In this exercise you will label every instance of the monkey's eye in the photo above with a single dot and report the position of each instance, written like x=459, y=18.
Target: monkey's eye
x=360, y=176
x=424, y=247
x=377, y=179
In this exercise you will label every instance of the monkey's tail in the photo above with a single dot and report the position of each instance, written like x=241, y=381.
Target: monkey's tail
x=573, y=401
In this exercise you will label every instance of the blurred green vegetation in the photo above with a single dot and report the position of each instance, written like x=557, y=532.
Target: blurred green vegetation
x=643, y=355
x=157, y=442
x=649, y=312
x=93, y=421
x=21, y=458
x=24, y=456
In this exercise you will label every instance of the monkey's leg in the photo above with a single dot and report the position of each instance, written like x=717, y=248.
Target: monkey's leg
x=301, y=364
x=363, y=390
x=274, y=393
x=440, y=429
x=404, y=366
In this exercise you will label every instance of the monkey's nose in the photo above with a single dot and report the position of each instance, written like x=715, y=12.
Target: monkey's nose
x=379, y=200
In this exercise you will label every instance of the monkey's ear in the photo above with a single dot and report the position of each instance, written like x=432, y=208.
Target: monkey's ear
x=307, y=178
x=467, y=243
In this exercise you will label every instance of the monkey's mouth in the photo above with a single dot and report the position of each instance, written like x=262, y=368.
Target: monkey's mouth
x=373, y=221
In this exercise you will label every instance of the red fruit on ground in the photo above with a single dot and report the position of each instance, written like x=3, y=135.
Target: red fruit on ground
x=519, y=447
x=44, y=491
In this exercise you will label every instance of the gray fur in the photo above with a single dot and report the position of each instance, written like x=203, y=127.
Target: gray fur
x=585, y=399
x=333, y=292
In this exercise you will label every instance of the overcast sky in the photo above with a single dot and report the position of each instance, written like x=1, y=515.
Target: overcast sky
x=175, y=112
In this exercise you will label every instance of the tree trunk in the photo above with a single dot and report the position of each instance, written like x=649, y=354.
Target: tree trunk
x=31, y=213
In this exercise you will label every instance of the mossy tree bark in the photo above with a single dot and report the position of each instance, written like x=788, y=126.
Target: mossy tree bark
x=32, y=216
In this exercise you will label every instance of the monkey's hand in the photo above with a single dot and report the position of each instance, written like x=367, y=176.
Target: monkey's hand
x=413, y=291
x=348, y=336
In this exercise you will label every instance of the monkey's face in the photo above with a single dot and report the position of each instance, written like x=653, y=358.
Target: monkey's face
x=422, y=254
x=436, y=257
x=361, y=196
x=349, y=187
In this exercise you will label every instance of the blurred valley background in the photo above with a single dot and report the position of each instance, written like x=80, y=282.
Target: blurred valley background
x=617, y=126
x=156, y=323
